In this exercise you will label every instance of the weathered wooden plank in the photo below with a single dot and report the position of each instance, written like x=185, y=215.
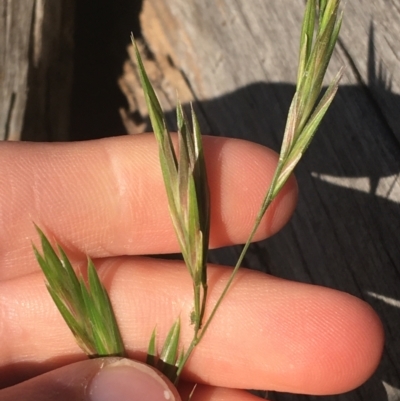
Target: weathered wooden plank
x=35, y=69
x=15, y=22
x=237, y=61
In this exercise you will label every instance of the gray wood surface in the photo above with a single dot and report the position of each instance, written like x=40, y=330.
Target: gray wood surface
x=236, y=60
x=36, y=38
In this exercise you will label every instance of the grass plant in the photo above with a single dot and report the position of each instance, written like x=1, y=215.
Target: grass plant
x=86, y=307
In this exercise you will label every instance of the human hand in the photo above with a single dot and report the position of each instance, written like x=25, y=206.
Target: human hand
x=106, y=199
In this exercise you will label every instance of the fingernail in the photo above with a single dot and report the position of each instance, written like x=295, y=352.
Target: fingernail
x=126, y=380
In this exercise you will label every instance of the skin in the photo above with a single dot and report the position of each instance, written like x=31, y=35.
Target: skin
x=106, y=199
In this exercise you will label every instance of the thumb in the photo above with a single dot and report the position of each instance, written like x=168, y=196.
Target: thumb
x=96, y=380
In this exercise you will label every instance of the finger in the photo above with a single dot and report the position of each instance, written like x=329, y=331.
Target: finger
x=96, y=380
x=107, y=198
x=113, y=379
x=268, y=334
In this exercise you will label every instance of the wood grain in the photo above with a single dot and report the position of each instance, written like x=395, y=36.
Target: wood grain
x=35, y=69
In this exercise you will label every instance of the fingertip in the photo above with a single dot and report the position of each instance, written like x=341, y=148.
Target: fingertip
x=359, y=346
x=341, y=344
x=116, y=379
x=63, y=384
x=124, y=379
x=240, y=173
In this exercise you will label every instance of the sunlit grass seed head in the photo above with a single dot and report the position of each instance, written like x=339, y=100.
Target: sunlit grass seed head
x=185, y=179
x=85, y=306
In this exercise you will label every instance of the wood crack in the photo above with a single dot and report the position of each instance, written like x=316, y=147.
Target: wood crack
x=7, y=124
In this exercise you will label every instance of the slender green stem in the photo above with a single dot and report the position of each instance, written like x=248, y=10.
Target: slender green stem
x=203, y=303
x=196, y=291
x=183, y=361
x=266, y=203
